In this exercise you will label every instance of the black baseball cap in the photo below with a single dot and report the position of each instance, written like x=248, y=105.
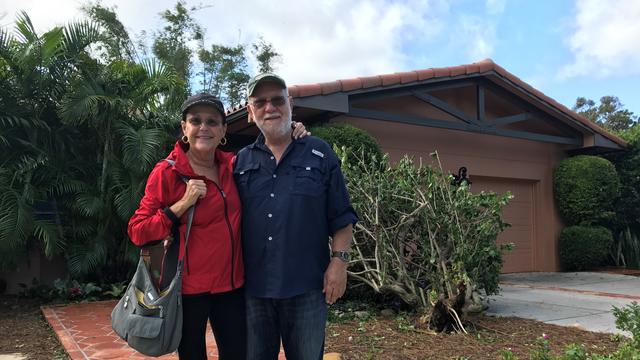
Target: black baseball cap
x=203, y=99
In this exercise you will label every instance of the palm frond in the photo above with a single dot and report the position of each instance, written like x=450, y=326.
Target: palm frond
x=89, y=205
x=83, y=104
x=50, y=234
x=87, y=256
x=140, y=147
x=16, y=219
x=52, y=45
x=24, y=27
x=6, y=42
x=64, y=185
x=125, y=204
x=77, y=36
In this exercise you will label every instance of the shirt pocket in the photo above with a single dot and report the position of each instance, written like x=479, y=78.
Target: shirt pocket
x=309, y=178
x=244, y=176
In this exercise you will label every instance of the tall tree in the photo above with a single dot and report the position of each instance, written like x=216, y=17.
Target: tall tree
x=265, y=54
x=225, y=72
x=610, y=113
x=171, y=45
x=114, y=42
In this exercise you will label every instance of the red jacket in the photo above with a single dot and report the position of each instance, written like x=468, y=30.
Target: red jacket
x=214, y=258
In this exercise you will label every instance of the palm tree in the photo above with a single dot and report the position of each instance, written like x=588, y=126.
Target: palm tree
x=34, y=70
x=80, y=136
x=121, y=103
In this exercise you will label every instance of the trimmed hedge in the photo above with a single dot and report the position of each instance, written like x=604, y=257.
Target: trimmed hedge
x=584, y=247
x=358, y=140
x=585, y=189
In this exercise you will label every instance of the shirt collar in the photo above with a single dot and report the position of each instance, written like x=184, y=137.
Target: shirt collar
x=259, y=143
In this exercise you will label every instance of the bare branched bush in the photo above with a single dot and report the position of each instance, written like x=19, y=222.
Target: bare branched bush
x=419, y=236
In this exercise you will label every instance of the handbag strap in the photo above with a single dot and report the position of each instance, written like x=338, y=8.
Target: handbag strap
x=189, y=220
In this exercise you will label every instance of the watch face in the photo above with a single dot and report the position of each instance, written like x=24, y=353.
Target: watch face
x=343, y=255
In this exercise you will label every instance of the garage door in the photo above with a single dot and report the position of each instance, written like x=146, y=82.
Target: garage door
x=520, y=214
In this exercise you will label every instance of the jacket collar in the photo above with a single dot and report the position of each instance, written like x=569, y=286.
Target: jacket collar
x=182, y=166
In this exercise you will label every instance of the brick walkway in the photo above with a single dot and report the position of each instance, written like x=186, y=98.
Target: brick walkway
x=85, y=332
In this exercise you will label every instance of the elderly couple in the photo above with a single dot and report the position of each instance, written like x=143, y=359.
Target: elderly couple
x=268, y=275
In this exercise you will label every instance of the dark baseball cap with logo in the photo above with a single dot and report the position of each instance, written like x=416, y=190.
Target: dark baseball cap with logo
x=253, y=83
x=203, y=99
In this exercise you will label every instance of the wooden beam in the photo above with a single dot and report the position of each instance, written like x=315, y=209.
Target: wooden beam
x=482, y=114
x=444, y=106
x=368, y=95
x=512, y=119
x=338, y=102
x=451, y=125
x=405, y=119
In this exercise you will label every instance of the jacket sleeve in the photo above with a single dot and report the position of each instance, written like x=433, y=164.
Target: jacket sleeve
x=150, y=222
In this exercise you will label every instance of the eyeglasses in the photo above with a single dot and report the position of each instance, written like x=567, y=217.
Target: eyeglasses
x=275, y=101
x=209, y=122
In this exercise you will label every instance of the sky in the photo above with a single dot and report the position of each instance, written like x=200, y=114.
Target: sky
x=564, y=48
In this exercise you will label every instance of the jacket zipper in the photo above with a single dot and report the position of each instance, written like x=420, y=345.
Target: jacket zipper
x=226, y=218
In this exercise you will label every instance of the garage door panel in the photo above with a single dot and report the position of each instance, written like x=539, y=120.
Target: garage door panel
x=519, y=214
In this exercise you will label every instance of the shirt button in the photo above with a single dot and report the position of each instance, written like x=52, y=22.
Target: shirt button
x=274, y=176
x=272, y=195
x=270, y=215
x=270, y=238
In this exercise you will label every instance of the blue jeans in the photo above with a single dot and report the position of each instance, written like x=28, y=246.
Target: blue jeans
x=299, y=321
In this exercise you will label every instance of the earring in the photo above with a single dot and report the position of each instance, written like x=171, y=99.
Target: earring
x=184, y=139
x=223, y=141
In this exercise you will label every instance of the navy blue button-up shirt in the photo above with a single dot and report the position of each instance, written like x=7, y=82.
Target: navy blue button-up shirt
x=289, y=210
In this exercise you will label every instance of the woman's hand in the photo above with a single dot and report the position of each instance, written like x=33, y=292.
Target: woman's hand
x=299, y=130
x=196, y=189
x=167, y=242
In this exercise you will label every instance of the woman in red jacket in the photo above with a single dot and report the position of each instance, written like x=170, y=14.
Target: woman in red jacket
x=212, y=287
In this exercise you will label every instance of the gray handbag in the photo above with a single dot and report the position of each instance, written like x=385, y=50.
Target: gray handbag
x=149, y=320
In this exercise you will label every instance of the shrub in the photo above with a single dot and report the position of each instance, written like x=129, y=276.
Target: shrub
x=627, y=164
x=418, y=235
x=585, y=188
x=583, y=247
x=358, y=140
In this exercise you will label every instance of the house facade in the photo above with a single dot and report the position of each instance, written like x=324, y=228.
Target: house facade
x=507, y=134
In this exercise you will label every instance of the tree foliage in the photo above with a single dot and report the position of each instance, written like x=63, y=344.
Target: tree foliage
x=418, y=235
x=265, y=54
x=584, y=247
x=225, y=72
x=609, y=114
x=79, y=136
x=585, y=188
x=339, y=135
x=82, y=121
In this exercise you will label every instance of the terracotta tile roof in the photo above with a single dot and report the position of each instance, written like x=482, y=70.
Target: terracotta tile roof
x=408, y=77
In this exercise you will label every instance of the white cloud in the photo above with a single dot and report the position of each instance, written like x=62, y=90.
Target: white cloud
x=319, y=40
x=605, y=39
x=476, y=36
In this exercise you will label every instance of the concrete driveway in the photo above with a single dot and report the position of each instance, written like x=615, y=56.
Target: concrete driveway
x=579, y=299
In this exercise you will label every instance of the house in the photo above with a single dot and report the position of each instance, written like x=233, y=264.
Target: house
x=508, y=135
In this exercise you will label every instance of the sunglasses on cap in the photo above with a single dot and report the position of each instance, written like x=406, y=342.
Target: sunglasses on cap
x=276, y=101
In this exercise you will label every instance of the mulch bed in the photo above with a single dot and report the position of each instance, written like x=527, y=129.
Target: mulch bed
x=25, y=331
x=395, y=338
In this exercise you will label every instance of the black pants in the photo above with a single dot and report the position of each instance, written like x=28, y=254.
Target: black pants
x=227, y=315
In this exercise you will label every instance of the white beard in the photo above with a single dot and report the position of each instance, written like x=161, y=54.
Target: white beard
x=276, y=132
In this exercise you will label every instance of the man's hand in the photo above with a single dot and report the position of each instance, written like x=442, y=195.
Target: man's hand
x=299, y=130
x=335, y=280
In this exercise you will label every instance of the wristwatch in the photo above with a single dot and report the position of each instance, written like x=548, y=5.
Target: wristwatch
x=342, y=255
